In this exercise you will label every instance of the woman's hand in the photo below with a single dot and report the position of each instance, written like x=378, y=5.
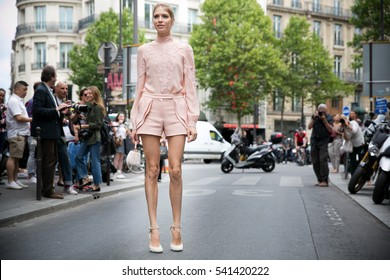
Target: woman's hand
x=134, y=137
x=191, y=134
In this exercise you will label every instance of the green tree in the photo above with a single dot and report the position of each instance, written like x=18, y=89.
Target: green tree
x=367, y=17
x=310, y=73
x=84, y=59
x=235, y=55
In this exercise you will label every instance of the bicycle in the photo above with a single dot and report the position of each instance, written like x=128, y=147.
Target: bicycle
x=300, y=156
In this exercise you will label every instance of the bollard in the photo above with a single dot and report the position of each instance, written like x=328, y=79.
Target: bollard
x=38, y=160
x=108, y=163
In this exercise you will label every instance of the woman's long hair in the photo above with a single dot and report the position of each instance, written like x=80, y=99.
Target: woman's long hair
x=97, y=98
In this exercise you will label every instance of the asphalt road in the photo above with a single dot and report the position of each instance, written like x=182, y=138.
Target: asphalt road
x=238, y=216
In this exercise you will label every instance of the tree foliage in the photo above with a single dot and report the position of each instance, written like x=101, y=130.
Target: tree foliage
x=367, y=17
x=84, y=59
x=310, y=69
x=235, y=55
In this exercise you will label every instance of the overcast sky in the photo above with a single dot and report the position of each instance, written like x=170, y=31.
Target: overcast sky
x=7, y=34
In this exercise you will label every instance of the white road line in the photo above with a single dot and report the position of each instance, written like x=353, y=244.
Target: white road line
x=204, y=181
x=291, y=181
x=247, y=181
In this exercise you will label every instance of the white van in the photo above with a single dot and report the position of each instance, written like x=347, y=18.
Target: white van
x=209, y=144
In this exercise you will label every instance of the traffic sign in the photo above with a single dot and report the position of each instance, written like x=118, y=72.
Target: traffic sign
x=380, y=106
x=346, y=111
x=113, y=51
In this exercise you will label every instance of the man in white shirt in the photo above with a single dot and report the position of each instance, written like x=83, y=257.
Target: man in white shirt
x=18, y=129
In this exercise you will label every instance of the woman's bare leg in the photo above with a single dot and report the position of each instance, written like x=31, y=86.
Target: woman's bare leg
x=151, y=146
x=175, y=157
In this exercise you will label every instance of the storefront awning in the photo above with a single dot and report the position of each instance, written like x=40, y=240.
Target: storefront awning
x=234, y=125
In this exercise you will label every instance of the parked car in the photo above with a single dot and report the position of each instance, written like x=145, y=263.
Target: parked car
x=209, y=144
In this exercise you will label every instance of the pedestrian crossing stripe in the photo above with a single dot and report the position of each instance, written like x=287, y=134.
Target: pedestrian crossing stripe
x=291, y=181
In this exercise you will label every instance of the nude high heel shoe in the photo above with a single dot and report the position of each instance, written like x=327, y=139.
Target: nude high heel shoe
x=176, y=248
x=154, y=249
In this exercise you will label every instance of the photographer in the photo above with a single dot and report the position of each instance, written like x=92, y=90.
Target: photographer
x=353, y=132
x=322, y=125
x=90, y=139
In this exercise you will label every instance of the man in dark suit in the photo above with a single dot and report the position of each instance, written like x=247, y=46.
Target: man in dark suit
x=47, y=115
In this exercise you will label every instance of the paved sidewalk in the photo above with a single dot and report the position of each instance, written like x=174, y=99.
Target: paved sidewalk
x=364, y=198
x=20, y=205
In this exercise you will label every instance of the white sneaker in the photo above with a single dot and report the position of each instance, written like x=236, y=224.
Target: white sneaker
x=21, y=184
x=70, y=190
x=13, y=186
x=32, y=179
x=120, y=176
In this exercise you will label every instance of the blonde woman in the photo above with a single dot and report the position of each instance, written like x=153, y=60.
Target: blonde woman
x=166, y=104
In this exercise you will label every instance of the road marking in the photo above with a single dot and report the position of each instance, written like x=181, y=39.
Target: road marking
x=198, y=192
x=247, y=181
x=334, y=217
x=291, y=181
x=204, y=181
x=253, y=192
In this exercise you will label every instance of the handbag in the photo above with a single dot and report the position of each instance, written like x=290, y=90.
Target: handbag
x=347, y=147
x=133, y=158
x=118, y=141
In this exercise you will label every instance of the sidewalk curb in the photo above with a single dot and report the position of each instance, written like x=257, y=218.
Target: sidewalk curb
x=48, y=206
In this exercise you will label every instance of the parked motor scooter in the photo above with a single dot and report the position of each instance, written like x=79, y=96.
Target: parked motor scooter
x=381, y=189
x=255, y=157
x=369, y=164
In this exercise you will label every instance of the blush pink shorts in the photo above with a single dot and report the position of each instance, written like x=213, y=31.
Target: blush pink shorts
x=163, y=116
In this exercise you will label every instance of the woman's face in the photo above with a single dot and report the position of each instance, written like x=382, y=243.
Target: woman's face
x=87, y=95
x=162, y=21
x=121, y=117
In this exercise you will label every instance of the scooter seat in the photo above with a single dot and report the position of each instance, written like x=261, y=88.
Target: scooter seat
x=251, y=150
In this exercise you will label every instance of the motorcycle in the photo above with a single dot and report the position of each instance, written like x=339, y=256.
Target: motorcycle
x=368, y=166
x=381, y=189
x=255, y=157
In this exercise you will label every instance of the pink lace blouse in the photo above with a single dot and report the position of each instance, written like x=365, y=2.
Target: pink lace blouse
x=166, y=67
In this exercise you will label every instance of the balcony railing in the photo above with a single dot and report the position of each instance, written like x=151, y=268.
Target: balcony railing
x=338, y=42
x=349, y=77
x=58, y=27
x=85, y=22
x=63, y=65
x=314, y=8
x=38, y=65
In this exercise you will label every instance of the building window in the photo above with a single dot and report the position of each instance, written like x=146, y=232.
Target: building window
x=317, y=28
x=337, y=8
x=127, y=4
x=66, y=18
x=40, y=56
x=278, y=26
x=358, y=74
x=296, y=104
x=278, y=2
x=296, y=4
x=148, y=16
x=192, y=18
x=40, y=18
x=316, y=6
x=335, y=103
x=65, y=48
x=358, y=31
x=277, y=101
x=90, y=7
x=337, y=65
x=338, y=40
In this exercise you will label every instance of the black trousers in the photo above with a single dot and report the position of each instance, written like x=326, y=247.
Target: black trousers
x=319, y=158
x=49, y=160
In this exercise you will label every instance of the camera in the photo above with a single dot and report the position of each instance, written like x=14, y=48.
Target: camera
x=342, y=121
x=85, y=134
x=80, y=108
x=320, y=114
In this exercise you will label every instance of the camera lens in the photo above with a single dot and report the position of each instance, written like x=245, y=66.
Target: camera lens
x=320, y=113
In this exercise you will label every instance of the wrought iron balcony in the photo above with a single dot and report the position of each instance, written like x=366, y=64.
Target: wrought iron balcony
x=40, y=27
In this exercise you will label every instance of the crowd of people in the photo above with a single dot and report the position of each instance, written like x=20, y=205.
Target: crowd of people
x=70, y=136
